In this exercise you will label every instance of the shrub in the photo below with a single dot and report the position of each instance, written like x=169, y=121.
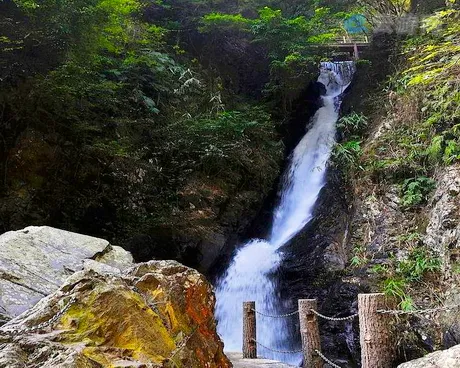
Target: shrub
x=404, y=273
x=353, y=123
x=415, y=191
x=346, y=155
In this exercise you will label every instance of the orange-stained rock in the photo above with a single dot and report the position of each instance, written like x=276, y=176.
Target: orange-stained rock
x=156, y=314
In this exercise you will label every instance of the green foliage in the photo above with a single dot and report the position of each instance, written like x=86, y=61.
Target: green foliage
x=347, y=155
x=404, y=273
x=396, y=288
x=410, y=238
x=419, y=263
x=375, y=8
x=362, y=63
x=433, y=75
x=287, y=39
x=415, y=191
x=286, y=36
x=353, y=123
x=443, y=149
x=224, y=22
x=360, y=257
x=222, y=144
x=120, y=91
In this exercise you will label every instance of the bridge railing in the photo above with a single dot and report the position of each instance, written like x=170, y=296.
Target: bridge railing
x=375, y=313
x=351, y=39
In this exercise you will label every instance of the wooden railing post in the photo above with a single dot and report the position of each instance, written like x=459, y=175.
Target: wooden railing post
x=309, y=331
x=249, y=330
x=377, y=348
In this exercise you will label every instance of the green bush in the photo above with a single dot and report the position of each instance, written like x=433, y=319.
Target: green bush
x=415, y=191
x=346, y=155
x=404, y=273
x=419, y=262
x=353, y=123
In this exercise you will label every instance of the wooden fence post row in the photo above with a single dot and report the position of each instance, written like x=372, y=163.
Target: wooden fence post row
x=377, y=343
x=249, y=330
x=377, y=347
x=309, y=331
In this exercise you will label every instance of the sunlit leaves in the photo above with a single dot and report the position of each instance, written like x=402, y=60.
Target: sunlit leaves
x=217, y=21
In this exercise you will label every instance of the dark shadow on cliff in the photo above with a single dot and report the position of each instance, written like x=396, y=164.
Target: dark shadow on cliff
x=292, y=131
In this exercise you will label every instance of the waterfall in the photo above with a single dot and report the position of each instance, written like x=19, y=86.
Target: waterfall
x=252, y=273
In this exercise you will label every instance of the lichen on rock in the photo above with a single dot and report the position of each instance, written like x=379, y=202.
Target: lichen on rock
x=156, y=314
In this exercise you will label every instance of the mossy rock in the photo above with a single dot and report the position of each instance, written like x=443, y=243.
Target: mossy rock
x=158, y=314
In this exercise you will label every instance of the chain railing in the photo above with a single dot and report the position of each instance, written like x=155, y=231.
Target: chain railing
x=327, y=360
x=375, y=337
x=276, y=350
x=349, y=318
x=308, y=317
x=277, y=315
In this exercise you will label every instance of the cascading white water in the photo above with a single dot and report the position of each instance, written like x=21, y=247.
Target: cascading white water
x=252, y=273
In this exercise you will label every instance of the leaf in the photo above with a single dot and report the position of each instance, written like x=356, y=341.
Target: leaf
x=150, y=104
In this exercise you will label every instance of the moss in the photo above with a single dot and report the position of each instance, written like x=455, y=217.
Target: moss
x=96, y=322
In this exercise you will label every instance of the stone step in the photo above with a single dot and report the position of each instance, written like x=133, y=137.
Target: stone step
x=238, y=362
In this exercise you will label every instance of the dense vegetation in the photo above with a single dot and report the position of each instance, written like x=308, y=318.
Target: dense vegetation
x=159, y=121
x=130, y=118
x=418, y=138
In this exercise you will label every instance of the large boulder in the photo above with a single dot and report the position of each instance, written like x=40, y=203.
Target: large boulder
x=35, y=261
x=440, y=359
x=155, y=314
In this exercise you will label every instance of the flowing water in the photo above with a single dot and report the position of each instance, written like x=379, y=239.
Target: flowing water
x=251, y=275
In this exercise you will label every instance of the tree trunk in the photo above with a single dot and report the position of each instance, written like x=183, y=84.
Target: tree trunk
x=309, y=331
x=249, y=330
x=377, y=345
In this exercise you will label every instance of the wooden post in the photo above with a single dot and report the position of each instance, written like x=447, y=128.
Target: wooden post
x=249, y=330
x=355, y=51
x=309, y=332
x=377, y=348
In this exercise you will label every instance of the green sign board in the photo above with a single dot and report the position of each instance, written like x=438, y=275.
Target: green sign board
x=355, y=24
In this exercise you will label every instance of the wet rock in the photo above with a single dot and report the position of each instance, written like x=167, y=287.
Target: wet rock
x=441, y=359
x=156, y=314
x=36, y=260
x=313, y=268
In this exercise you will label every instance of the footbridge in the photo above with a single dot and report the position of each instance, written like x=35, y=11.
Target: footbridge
x=351, y=45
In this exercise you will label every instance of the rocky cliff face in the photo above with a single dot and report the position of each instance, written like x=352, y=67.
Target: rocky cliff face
x=364, y=238
x=403, y=241
x=155, y=314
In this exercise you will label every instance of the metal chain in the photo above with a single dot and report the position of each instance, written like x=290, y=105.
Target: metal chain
x=276, y=316
x=278, y=351
x=349, y=318
x=42, y=325
x=328, y=361
x=420, y=311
